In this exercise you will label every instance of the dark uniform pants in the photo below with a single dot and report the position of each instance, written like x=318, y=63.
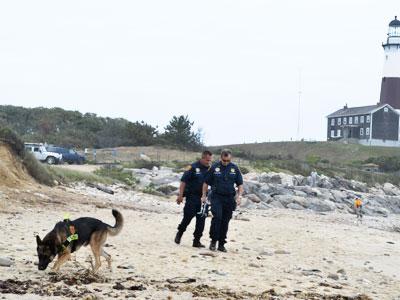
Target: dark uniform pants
x=192, y=207
x=221, y=208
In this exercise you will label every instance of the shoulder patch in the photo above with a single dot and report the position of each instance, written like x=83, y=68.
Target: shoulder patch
x=188, y=168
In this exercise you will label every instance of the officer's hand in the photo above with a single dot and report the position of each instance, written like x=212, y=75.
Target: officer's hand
x=179, y=200
x=238, y=200
x=203, y=199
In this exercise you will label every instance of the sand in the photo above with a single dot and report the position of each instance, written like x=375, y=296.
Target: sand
x=284, y=254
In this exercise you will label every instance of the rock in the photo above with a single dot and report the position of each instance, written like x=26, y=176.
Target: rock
x=333, y=276
x=270, y=178
x=276, y=204
x=144, y=157
x=181, y=280
x=251, y=187
x=295, y=206
x=321, y=205
x=299, y=193
x=6, y=262
x=218, y=272
x=125, y=266
x=281, y=252
x=253, y=265
x=254, y=198
x=390, y=189
x=212, y=254
x=118, y=286
x=266, y=253
x=299, y=180
x=167, y=189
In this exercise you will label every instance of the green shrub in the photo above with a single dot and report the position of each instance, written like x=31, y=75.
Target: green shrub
x=151, y=189
x=37, y=170
x=244, y=170
x=313, y=159
x=119, y=174
x=68, y=176
x=11, y=138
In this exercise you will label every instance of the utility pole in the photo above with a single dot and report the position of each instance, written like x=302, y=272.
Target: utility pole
x=298, y=112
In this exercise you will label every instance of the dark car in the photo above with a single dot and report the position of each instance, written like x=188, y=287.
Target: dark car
x=68, y=155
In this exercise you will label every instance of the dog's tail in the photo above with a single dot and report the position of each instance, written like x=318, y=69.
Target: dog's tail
x=119, y=223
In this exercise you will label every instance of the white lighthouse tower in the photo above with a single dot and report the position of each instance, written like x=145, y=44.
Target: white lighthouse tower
x=390, y=88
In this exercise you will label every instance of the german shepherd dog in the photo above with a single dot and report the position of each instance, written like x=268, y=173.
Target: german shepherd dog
x=90, y=231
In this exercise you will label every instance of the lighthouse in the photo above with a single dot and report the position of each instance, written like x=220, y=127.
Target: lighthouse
x=390, y=87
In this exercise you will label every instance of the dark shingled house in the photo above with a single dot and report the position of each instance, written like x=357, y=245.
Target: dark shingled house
x=376, y=125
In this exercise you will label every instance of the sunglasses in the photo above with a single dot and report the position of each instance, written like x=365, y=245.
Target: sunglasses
x=226, y=160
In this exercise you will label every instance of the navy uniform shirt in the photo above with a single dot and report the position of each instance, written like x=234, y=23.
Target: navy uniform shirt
x=222, y=179
x=194, y=178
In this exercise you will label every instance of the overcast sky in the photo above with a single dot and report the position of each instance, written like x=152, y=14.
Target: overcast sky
x=232, y=66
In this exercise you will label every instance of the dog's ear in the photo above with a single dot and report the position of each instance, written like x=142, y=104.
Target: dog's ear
x=38, y=240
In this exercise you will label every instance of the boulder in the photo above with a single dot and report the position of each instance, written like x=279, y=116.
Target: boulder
x=321, y=205
x=276, y=204
x=270, y=178
x=390, y=189
x=254, y=198
x=299, y=180
x=295, y=206
x=5, y=262
x=251, y=187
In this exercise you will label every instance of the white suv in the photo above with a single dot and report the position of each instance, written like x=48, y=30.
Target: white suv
x=40, y=152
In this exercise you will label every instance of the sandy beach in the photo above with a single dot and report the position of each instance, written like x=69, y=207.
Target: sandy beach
x=273, y=254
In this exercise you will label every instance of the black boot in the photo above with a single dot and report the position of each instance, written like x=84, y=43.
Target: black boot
x=178, y=237
x=197, y=244
x=213, y=245
x=221, y=247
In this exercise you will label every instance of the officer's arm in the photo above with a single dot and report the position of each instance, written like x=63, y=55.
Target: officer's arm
x=185, y=179
x=239, y=183
x=240, y=190
x=207, y=181
x=182, y=189
x=204, y=190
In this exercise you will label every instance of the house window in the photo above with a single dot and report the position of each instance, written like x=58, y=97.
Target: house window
x=355, y=120
x=350, y=120
x=386, y=109
x=366, y=131
x=332, y=133
x=362, y=119
x=339, y=133
x=339, y=121
x=333, y=122
x=361, y=131
x=368, y=119
x=344, y=121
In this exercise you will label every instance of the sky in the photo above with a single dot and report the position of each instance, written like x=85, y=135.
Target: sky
x=234, y=67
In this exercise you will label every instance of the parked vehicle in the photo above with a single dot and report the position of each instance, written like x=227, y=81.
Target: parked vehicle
x=41, y=153
x=69, y=155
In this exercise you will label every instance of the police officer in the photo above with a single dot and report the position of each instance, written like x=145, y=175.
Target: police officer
x=191, y=188
x=222, y=177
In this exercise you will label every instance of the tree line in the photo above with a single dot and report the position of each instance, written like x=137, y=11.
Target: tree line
x=74, y=129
